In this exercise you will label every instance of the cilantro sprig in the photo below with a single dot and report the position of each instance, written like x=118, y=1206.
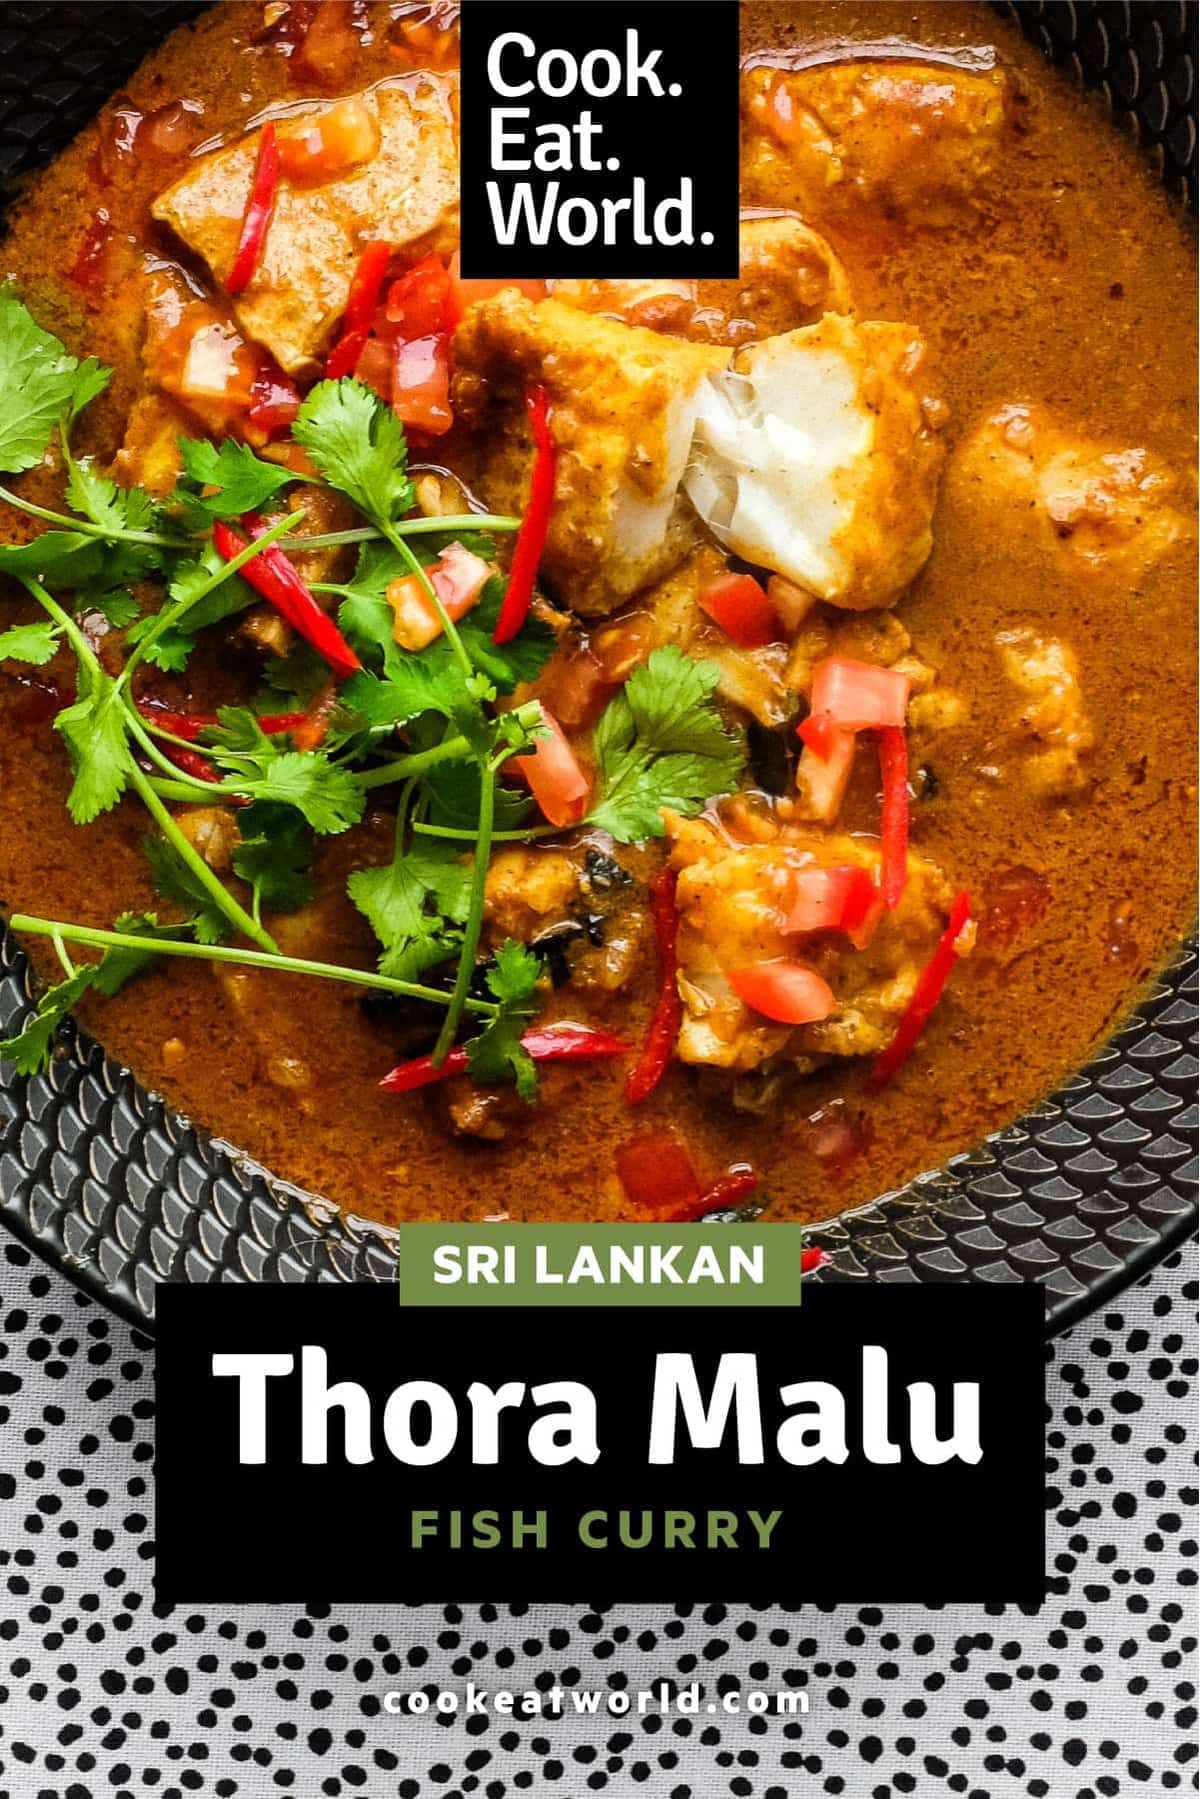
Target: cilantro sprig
x=660, y=743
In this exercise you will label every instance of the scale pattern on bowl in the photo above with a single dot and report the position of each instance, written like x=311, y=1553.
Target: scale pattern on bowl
x=1083, y=1195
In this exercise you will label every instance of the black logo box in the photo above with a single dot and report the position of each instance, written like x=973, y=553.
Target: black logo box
x=852, y=1532
x=689, y=134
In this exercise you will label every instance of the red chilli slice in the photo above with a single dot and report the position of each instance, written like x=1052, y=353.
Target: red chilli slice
x=272, y=575
x=258, y=213
x=893, y=768
x=930, y=981
x=563, y=1042
x=531, y=538
x=664, y=1023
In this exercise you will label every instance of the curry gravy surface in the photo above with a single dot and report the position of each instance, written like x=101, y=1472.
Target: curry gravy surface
x=1076, y=290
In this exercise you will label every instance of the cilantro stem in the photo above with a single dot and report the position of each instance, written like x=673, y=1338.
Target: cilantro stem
x=179, y=790
x=215, y=888
x=474, y=921
x=399, y=769
x=416, y=764
x=170, y=615
x=189, y=787
x=425, y=830
x=87, y=528
x=248, y=958
x=65, y=623
x=144, y=787
x=457, y=521
x=414, y=527
x=447, y=623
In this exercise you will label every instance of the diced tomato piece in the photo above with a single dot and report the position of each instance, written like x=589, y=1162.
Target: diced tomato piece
x=858, y=696
x=274, y=403
x=574, y=687
x=656, y=1173
x=819, y=733
x=417, y=303
x=823, y=779
x=87, y=270
x=738, y=604
x=375, y=365
x=343, y=137
x=840, y=898
x=458, y=578
x=788, y=992
x=421, y=384
x=554, y=776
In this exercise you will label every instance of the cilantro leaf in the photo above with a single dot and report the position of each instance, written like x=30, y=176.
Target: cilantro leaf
x=34, y=643
x=274, y=857
x=111, y=507
x=118, y=608
x=414, y=904
x=368, y=621
x=522, y=658
x=32, y=1048
x=40, y=383
x=176, y=882
x=358, y=444
x=117, y=966
x=245, y=481
x=415, y=687
x=94, y=730
x=169, y=652
x=454, y=790
x=660, y=743
x=364, y=617
x=238, y=732
x=208, y=603
x=62, y=558
x=498, y=1054
x=299, y=676
x=91, y=379
x=327, y=796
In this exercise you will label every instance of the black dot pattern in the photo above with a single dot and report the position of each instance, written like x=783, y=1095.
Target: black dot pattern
x=102, y=1692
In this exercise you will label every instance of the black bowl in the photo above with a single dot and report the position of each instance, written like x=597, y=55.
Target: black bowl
x=1085, y=1194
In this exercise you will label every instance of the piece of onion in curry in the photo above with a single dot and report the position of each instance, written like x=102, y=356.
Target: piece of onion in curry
x=920, y=481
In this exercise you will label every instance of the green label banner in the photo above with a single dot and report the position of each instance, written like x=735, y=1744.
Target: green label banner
x=600, y=1264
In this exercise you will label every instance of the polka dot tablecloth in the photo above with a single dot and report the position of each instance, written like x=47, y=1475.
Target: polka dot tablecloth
x=104, y=1693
